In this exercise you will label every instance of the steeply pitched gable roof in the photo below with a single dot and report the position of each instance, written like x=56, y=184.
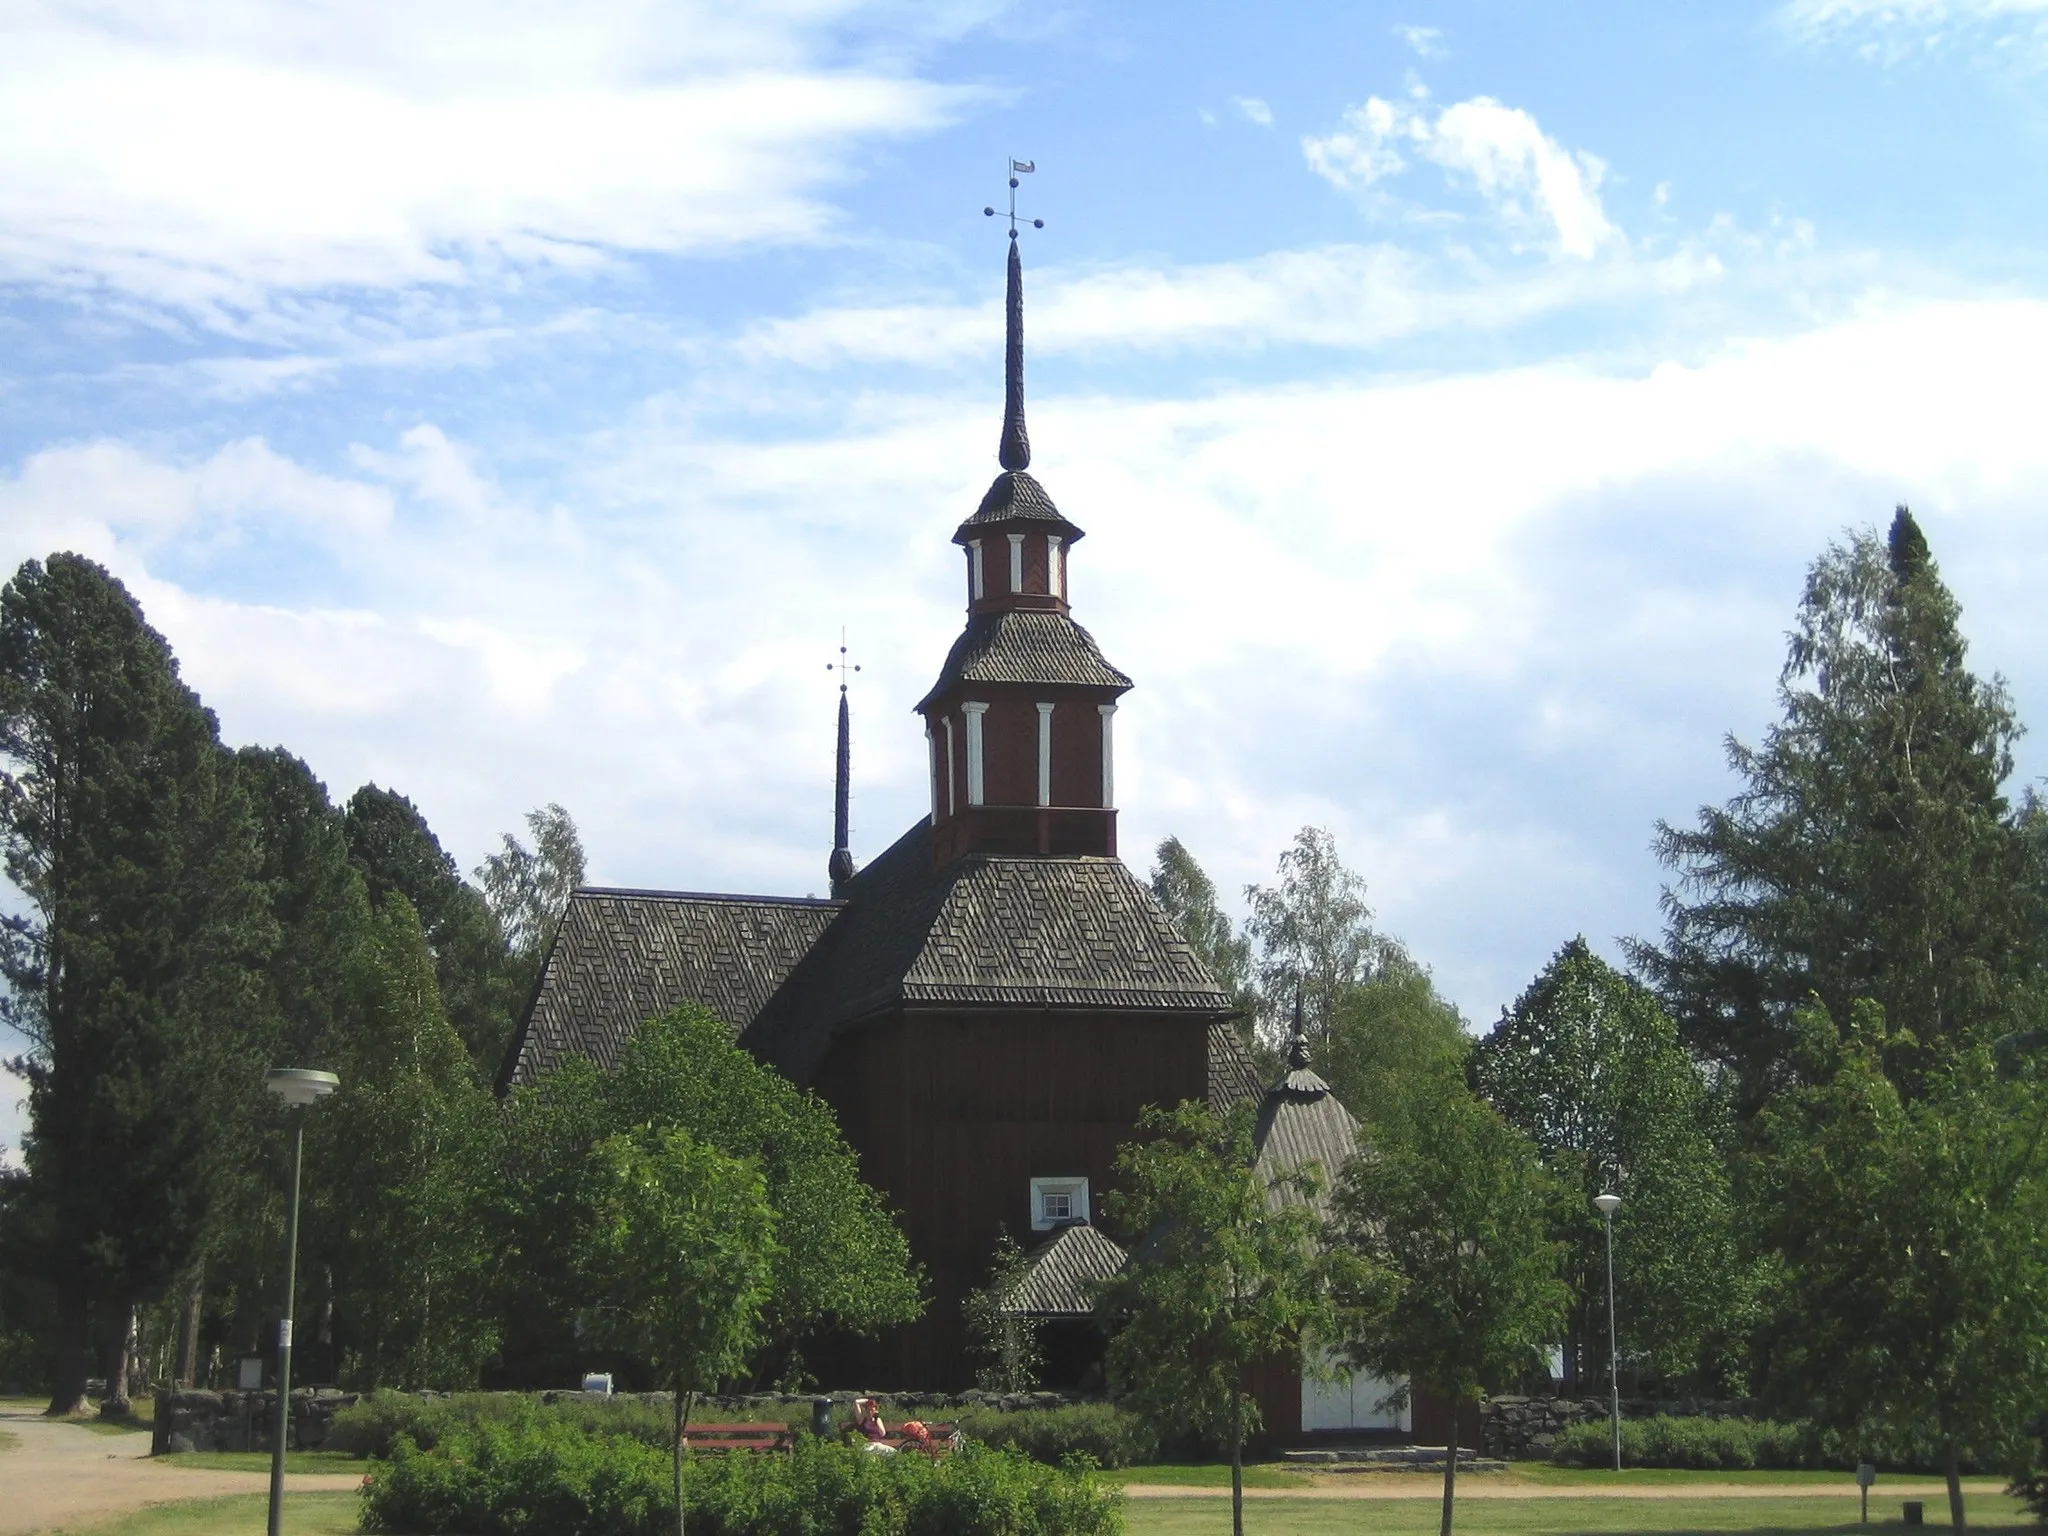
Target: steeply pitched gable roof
x=621, y=958
x=984, y=931
x=1014, y=495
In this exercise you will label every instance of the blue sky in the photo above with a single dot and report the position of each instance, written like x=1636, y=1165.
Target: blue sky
x=510, y=403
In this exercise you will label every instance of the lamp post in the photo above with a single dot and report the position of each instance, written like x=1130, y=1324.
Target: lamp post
x=298, y=1087
x=1606, y=1205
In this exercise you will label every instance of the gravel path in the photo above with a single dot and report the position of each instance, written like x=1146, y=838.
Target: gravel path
x=61, y=1475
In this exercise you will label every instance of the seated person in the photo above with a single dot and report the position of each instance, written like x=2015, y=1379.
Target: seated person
x=867, y=1418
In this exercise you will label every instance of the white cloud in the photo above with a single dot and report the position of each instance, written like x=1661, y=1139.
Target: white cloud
x=204, y=156
x=1428, y=42
x=1534, y=184
x=1253, y=110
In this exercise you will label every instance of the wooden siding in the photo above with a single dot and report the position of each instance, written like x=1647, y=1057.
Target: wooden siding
x=954, y=1113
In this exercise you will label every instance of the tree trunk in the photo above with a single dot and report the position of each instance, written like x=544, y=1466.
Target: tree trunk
x=1236, y=1462
x=684, y=1402
x=1955, y=1486
x=115, y=1405
x=1451, y=1470
x=67, y=1395
x=187, y=1373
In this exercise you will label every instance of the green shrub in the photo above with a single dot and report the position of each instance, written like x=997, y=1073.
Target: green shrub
x=1107, y=1435
x=1704, y=1444
x=371, y=1427
x=490, y=1478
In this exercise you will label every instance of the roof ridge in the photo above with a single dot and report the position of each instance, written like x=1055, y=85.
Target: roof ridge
x=729, y=897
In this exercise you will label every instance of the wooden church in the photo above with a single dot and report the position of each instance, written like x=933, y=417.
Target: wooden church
x=991, y=1002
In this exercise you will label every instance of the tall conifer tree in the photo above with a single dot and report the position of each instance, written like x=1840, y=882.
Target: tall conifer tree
x=1871, y=852
x=132, y=973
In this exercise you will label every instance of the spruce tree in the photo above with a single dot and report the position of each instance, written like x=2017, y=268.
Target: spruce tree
x=1870, y=852
x=132, y=972
x=396, y=850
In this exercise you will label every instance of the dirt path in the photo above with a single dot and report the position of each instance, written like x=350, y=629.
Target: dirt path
x=61, y=1475
x=1411, y=1485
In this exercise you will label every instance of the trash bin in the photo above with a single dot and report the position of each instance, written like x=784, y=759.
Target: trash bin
x=1916, y=1512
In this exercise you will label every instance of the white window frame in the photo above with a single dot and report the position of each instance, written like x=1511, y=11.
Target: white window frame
x=1075, y=1188
x=1045, y=754
x=976, y=753
x=1108, y=712
x=1055, y=573
x=974, y=581
x=952, y=794
x=1016, y=562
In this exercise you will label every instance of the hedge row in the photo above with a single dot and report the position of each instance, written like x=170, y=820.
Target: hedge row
x=500, y=1479
x=1715, y=1444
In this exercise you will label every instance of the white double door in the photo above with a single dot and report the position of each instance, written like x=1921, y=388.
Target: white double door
x=1350, y=1402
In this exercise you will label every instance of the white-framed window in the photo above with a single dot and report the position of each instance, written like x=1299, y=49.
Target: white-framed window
x=974, y=569
x=975, y=756
x=1055, y=574
x=952, y=791
x=1055, y=1202
x=1016, y=562
x=1045, y=754
x=1108, y=755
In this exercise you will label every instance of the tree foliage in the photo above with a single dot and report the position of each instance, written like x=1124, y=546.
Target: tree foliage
x=1909, y=1289
x=1189, y=897
x=1314, y=935
x=1871, y=852
x=528, y=889
x=1443, y=1263
x=132, y=973
x=1588, y=1065
x=396, y=850
x=841, y=1263
x=678, y=1262
x=1005, y=1348
x=1392, y=1037
x=1220, y=1277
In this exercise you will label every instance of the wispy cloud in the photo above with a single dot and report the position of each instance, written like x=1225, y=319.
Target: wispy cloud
x=1889, y=32
x=1428, y=42
x=207, y=157
x=1534, y=185
x=1253, y=110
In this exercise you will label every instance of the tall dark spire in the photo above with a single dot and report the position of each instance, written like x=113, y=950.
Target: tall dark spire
x=1016, y=446
x=840, y=865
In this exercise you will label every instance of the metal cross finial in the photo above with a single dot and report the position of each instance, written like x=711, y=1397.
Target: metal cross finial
x=842, y=666
x=1017, y=168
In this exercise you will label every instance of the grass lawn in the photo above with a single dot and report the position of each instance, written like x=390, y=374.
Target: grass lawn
x=1545, y=1517
x=259, y=1461
x=1551, y=1475
x=305, y=1514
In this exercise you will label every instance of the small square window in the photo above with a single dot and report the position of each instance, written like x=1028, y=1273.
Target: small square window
x=1055, y=1202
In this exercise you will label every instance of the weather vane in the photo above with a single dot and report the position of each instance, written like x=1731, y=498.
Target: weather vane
x=841, y=666
x=1017, y=168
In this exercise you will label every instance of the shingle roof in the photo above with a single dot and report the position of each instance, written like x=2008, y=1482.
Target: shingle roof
x=621, y=958
x=1076, y=932
x=1025, y=646
x=1300, y=1123
x=1014, y=495
x=1233, y=1077
x=1056, y=1282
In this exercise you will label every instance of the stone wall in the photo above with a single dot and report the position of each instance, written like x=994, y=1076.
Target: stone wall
x=242, y=1421
x=1526, y=1428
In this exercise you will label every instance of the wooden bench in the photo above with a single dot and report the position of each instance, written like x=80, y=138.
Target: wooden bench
x=702, y=1438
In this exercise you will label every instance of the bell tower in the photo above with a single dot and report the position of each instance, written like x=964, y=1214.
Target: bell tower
x=1021, y=720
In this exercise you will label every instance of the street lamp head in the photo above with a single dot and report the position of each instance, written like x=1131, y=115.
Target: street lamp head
x=1607, y=1205
x=300, y=1086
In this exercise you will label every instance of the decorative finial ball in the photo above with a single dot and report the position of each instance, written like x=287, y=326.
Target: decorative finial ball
x=990, y=212
x=1038, y=223
x=1013, y=182
x=1013, y=234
